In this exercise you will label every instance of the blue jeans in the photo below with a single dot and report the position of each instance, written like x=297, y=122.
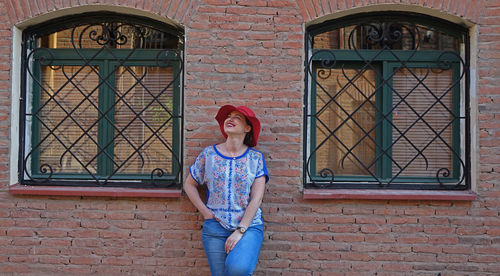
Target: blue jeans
x=242, y=260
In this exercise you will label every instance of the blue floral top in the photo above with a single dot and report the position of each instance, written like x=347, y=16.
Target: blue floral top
x=229, y=180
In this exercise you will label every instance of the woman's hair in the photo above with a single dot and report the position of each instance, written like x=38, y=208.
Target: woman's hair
x=249, y=136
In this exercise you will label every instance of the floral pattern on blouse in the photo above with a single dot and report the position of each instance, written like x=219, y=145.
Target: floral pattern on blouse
x=229, y=181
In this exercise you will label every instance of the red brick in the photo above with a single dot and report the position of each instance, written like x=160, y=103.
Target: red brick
x=31, y=205
x=377, y=238
x=375, y=229
x=393, y=257
x=20, y=232
x=64, y=224
x=317, y=237
x=126, y=224
x=89, y=215
x=114, y=234
x=371, y=220
x=420, y=211
x=253, y=3
x=344, y=228
x=15, y=268
x=31, y=223
x=312, y=228
x=443, y=240
x=493, y=232
x=55, y=242
x=452, y=258
x=24, y=214
x=348, y=237
x=148, y=216
x=83, y=260
x=47, y=251
x=439, y=230
x=55, y=205
x=52, y=233
x=407, y=228
x=53, y=260
x=456, y=249
x=427, y=249
x=397, y=267
x=309, y=219
x=83, y=233
x=84, y=242
x=348, y=256
x=97, y=224
x=24, y=241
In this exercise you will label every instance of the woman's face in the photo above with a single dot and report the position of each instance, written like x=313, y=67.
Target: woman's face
x=236, y=123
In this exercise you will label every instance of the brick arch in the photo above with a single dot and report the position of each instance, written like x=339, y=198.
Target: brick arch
x=314, y=10
x=29, y=12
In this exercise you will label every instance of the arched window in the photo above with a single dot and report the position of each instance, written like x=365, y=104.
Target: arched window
x=101, y=102
x=387, y=103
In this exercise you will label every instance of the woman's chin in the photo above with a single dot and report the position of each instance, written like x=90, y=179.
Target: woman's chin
x=234, y=132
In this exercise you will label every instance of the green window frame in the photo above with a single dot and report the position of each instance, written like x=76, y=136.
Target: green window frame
x=104, y=63
x=378, y=173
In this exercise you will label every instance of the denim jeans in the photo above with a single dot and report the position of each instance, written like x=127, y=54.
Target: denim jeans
x=244, y=256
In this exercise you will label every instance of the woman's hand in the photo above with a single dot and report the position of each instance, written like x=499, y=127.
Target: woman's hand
x=209, y=215
x=191, y=189
x=232, y=240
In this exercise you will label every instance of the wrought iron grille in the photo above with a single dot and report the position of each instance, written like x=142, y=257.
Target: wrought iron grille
x=101, y=103
x=387, y=104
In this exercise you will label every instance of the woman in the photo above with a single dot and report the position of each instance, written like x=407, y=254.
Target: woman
x=235, y=175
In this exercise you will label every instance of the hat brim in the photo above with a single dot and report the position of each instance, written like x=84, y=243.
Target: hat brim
x=225, y=110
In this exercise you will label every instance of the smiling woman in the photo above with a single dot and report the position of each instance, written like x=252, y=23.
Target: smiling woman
x=235, y=175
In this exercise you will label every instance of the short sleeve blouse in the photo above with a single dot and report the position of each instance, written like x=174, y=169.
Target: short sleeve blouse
x=229, y=181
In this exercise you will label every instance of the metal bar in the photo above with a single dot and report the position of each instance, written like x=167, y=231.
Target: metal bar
x=113, y=34
x=386, y=34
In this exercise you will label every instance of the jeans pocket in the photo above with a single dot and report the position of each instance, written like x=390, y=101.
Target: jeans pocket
x=213, y=228
x=208, y=223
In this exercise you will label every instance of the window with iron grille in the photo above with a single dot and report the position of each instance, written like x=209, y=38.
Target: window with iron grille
x=387, y=103
x=101, y=102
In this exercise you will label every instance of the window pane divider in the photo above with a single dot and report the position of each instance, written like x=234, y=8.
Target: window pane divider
x=339, y=107
x=79, y=128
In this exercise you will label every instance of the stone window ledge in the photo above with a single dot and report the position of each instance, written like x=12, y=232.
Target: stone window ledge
x=18, y=189
x=388, y=194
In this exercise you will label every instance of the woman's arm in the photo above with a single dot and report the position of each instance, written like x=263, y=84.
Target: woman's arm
x=191, y=189
x=256, y=195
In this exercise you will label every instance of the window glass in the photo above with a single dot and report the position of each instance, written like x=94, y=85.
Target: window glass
x=353, y=92
x=67, y=130
x=410, y=134
x=103, y=103
x=117, y=35
x=368, y=37
x=386, y=105
x=144, y=119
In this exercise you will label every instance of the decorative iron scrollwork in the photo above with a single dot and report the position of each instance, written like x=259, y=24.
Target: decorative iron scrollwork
x=369, y=43
x=88, y=45
x=385, y=34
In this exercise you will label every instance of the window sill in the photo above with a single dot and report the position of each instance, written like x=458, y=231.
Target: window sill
x=389, y=194
x=18, y=189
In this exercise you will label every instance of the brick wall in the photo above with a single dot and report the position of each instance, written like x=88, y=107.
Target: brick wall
x=251, y=52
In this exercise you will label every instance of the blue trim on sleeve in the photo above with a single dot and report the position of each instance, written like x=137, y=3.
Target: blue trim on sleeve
x=191, y=173
x=266, y=173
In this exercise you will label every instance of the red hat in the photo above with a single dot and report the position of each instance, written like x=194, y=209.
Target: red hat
x=225, y=110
